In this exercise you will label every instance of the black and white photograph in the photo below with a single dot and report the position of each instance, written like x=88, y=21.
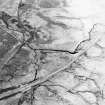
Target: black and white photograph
x=52, y=52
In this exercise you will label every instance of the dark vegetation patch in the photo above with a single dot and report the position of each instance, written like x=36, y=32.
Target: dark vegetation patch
x=17, y=66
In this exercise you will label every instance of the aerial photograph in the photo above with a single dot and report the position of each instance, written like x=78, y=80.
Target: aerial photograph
x=52, y=52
